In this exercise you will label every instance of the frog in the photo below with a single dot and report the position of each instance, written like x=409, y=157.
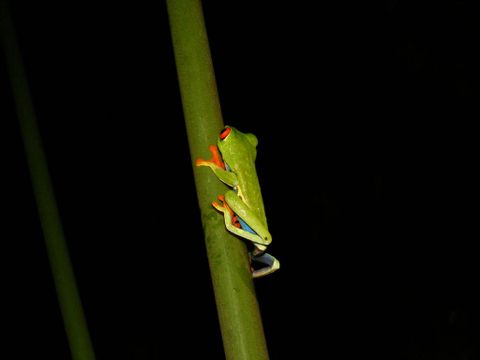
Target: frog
x=233, y=163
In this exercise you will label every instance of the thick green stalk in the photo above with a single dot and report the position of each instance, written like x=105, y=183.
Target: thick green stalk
x=68, y=297
x=237, y=306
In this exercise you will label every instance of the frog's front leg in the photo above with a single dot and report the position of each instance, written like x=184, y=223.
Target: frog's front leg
x=217, y=165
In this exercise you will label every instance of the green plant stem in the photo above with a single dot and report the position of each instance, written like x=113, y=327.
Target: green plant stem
x=237, y=306
x=68, y=297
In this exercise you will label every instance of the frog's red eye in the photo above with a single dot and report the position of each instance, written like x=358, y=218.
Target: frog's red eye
x=224, y=133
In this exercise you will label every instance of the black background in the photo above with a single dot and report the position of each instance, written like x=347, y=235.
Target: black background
x=366, y=160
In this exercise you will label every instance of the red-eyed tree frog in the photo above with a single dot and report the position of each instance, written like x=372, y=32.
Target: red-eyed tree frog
x=242, y=207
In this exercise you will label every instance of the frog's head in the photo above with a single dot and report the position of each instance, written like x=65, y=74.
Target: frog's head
x=237, y=147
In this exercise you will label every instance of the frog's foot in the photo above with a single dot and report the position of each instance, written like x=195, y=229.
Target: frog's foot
x=227, y=211
x=215, y=161
x=271, y=264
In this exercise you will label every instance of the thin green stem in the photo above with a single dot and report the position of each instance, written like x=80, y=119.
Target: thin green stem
x=237, y=306
x=68, y=297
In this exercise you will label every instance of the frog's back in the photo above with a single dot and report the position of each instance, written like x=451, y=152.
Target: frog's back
x=239, y=151
x=249, y=189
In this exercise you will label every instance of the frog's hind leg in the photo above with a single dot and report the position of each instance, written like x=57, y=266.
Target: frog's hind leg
x=232, y=223
x=229, y=216
x=239, y=227
x=271, y=263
